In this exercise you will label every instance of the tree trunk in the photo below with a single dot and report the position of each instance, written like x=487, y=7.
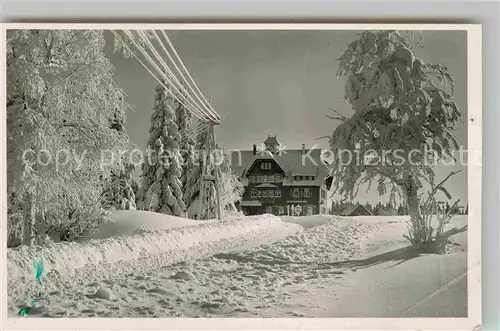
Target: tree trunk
x=29, y=213
x=410, y=191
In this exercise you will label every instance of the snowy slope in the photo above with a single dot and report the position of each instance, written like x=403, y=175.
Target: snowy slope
x=247, y=281
x=70, y=263
x=296, y=276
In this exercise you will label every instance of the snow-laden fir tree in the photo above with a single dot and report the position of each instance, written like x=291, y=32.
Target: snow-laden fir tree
x=161, y=187
x=61, y=100
x=187, y=143
x=403, y=108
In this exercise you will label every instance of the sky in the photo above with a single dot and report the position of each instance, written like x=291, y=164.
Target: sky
x=280, y=83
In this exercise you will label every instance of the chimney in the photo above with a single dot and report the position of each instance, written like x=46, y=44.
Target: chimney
x=303, y=148
x=254, y=149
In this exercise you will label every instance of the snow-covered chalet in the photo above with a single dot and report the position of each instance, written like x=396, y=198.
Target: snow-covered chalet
x=281, y=181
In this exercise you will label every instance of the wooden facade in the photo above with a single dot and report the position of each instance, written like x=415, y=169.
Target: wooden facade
x=290, y=182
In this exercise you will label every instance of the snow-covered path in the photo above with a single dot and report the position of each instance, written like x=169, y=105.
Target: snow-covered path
x=263, y=282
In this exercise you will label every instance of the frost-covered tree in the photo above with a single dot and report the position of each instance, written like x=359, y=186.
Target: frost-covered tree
x=403, y=108
x=160, y=189
x=231, y=189
x=61, y=102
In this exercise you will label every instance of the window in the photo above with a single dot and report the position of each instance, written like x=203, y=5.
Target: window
x=270, y=179
x=271, y=194
x=306, y=177
x=251, y=179
x=264, y=194
x=259, y=194
x=265, y=165
x=281, y=210
x=264, y=179
x=296, y=193
x=307, y=193
x=277, y=194
x=259, y=179
x=313, y=177
x=253, y=194
x=277, y=178
x=269, y=209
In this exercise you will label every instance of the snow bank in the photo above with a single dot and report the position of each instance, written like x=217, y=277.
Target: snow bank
x=128, y=222
x=94, y=260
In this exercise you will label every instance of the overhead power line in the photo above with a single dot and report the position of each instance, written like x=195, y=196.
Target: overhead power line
x=186, y=70
x=176, y=82
x=203, y=111
x=194, y=111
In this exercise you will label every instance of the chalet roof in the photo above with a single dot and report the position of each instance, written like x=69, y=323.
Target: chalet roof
x=351, y=209
x=290, y=161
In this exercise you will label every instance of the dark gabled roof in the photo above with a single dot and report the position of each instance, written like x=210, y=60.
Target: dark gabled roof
x=262, y=155
x=291, y=161
x=271, y=140
x=351, y=209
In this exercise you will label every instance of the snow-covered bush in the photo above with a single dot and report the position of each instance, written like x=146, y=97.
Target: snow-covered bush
x=14, y=229
x=118, y=191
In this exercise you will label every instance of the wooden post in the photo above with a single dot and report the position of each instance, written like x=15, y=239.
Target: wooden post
x=215, y=178
x=202, y=182
x=216, y=174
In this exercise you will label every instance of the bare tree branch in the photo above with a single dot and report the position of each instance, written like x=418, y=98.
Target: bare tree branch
x=338, y=117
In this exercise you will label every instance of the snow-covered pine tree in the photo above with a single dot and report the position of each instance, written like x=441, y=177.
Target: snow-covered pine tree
x=397, y=107
x=160, y=189
x=60, y=99
x=187, y=143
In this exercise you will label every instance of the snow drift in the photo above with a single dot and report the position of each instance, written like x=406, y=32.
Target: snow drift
x=96, y=259
x=128, y=222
